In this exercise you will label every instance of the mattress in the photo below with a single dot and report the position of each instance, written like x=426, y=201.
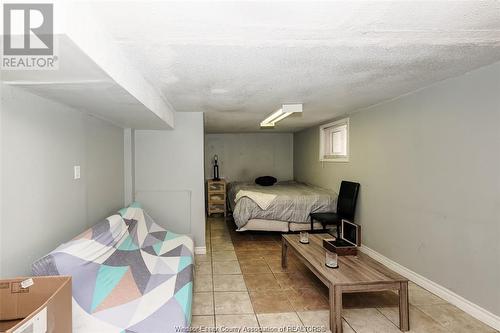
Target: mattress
x=129, y=275
x=293, y=202
x=278, y=226
x=265, y=225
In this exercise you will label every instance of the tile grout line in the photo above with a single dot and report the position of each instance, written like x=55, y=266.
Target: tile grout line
x=266, y=261
x=269, y=259
x=421, y=311
x=212, y=266
x=417, y=307
x=244, y=281
x=385, y=318
x=212, y=270
x=274, y=275
x=348, y=324
x=314, y=287
x=213, y=284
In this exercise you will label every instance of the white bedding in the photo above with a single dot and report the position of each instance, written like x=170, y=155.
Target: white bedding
x=263, y=200
x=293, y=202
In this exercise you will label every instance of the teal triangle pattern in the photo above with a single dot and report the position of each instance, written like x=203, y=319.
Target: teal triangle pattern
x=122, y=211
x=128, y=245
x=107, y=279
x=135, y=204
x=157, y=247
x=184, y=262
x=184, y=297
x=170, y=235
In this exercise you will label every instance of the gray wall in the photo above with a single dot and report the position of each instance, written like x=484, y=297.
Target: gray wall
x=169, y=175
x=42, y=205
x=429, y=168
x=247, y=156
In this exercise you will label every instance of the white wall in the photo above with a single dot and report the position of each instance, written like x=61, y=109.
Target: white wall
x=104, y=169
x=1, y=177
x=428, y=164
x=169, y=175
x=129, y=164
x=42, y=205
x=246, y=156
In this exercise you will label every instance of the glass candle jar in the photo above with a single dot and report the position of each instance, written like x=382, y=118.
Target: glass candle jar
x=331, y=259
x=304, y=237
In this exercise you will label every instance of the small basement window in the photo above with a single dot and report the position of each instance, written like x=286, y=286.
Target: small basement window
x=334, y=141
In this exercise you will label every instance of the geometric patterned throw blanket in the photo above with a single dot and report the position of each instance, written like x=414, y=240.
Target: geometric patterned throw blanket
x=129, y=275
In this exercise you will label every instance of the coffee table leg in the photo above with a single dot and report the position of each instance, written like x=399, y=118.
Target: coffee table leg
x=404, y=309
x=284, y=250
x=335, y=309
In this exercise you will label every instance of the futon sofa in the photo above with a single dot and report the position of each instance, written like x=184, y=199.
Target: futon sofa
x=129, y=275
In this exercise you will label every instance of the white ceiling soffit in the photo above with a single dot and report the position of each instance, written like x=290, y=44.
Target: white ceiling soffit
x=94, y=76
x=239, y=61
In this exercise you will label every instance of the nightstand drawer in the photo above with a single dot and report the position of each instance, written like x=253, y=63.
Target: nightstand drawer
x=219, y=198
x=216, y=187
x=216, y=208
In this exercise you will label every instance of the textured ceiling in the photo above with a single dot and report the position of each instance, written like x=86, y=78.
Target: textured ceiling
x=80, y=83
x=238, y=62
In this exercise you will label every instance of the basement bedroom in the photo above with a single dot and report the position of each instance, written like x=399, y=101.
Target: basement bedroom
x=250, y=166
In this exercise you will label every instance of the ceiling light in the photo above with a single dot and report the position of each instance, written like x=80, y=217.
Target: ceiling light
x=285, y=111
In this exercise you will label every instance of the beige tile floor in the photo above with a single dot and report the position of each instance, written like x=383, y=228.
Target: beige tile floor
x=240, y=283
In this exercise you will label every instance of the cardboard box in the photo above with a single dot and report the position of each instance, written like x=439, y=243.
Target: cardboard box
x=39, y=304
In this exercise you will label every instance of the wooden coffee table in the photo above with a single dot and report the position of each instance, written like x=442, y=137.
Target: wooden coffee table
x=355, y=274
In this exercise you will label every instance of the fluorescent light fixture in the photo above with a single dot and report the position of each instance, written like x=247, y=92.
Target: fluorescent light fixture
x=285, y=111
x=273, y=118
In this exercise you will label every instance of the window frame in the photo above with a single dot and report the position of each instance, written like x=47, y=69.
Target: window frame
x=322, y=141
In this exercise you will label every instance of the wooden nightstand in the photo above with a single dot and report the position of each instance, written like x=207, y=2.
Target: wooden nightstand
x=216, y=194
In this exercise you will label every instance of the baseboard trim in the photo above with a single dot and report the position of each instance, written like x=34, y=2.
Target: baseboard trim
x=473, y=309
x=200, y=250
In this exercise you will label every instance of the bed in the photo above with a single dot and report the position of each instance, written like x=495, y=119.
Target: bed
x=129, y=275
x=283, y=207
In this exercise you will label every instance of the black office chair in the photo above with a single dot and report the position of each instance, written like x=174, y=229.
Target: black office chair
x=346, y=207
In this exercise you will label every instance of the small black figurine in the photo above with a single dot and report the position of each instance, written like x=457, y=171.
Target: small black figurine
x=216, y=168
